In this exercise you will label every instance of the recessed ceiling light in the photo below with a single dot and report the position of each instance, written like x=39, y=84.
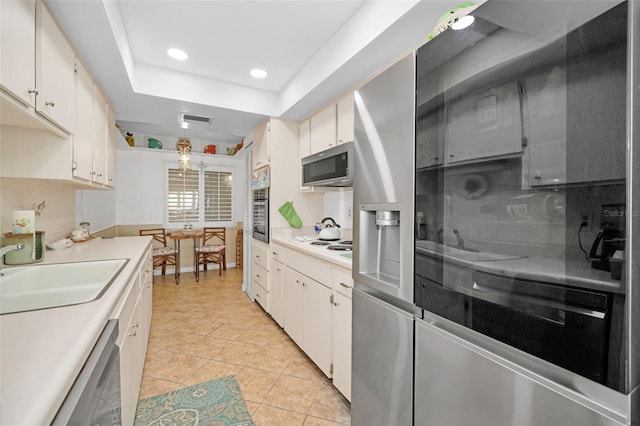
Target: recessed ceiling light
x=258, y=73
x=177, y=54
x=463, y=22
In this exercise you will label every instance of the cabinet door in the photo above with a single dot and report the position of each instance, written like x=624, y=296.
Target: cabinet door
x=485, y=124
x=293, y=309
x=304, y=140
x=345, y=118
x=323, y=129
x=99, y=136
x=18, y=49
x=341, y=343
x=317, y=323
x=83, y=134
x=261, y=145
x=277, y=292
x=596, y=121
x=430, y=139
x=546, y=109
x=55, y=61
x=111, y=147
x=131, y=366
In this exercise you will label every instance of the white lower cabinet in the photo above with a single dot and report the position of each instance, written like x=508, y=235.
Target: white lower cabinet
x=134, y=324
x=307, y=313
x=293, y=309
x=316, y=307
x=276, y=283
x=342, y=285
x=261, y=286
x=276, y=280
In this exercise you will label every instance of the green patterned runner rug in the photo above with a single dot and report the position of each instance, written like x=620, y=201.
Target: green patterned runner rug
x=214, y=403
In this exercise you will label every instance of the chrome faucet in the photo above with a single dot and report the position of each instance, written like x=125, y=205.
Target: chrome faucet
x=459, y=238
x=6, y=249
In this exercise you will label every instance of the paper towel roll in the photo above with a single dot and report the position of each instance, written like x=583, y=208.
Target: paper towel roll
x=23, y=221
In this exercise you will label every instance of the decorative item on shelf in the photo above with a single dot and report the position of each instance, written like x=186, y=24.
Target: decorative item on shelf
x=130, y=139
x=184, y=153
x=210, y=149
x=154, y=143
x=240, y=145
x=457, y=15
x=231, y=151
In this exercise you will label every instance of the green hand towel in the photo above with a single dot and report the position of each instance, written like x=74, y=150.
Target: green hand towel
x=289, y=213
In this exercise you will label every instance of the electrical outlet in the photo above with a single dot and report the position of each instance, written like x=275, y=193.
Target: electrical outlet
x=585, y=217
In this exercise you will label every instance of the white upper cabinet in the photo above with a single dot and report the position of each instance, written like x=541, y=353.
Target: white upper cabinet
x=261, y=145
x=99, y=137
x=18, y=49
x=55, y=63
x=83, y=134
x=111, y=147
x=323, y=129
x=330, y=126
x=345, y=113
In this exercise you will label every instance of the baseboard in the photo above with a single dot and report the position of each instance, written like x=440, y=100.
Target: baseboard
x=184, y=269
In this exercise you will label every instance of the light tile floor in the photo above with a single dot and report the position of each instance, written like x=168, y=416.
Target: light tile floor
x=207, y=330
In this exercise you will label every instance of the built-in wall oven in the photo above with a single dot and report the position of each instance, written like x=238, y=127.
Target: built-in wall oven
x=260, y=203
x=514, y=115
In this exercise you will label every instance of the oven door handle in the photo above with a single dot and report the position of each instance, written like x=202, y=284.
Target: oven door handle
x=500, y=297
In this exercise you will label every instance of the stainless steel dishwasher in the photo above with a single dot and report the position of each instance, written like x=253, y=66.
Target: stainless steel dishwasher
x=94, y=398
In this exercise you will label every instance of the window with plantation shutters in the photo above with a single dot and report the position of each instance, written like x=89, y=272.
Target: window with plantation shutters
x=199, y=197
x=217, y=196
x=183, y=196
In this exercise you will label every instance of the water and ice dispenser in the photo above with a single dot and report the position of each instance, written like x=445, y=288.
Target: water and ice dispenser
x=379, y=243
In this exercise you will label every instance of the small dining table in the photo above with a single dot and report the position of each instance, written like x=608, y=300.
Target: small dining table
x=186, y=234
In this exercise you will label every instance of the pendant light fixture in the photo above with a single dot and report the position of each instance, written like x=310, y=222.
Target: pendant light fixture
x=184, y=153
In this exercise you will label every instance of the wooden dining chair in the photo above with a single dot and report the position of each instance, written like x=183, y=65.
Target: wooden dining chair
x=163, y=255
x=211, y=250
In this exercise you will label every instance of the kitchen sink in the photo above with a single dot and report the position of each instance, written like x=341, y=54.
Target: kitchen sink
x=472, y=255
x=28, y=288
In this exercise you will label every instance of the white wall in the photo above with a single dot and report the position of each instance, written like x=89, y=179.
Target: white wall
x=98, y=207
x=339, y=206
x=57, y=218
x=141, y=181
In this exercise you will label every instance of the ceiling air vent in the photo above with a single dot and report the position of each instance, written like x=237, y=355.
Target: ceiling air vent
x=195, y=119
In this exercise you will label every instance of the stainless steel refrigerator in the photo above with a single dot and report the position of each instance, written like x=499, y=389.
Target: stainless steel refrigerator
x=383, y=309
x=524, y=125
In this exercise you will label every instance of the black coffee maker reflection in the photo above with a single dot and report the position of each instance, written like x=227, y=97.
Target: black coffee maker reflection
x=611, y=238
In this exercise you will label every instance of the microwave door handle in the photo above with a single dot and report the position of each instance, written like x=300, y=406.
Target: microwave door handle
x=500, y=297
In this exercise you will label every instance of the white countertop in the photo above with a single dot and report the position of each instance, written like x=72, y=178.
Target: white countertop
x=563, y=271
x=42, y=352
x=305, y=246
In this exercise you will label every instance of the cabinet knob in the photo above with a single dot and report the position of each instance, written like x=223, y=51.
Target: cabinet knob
x=132, y=334
x=335, y=304
x=451, y=155
x=537, y=177
x=257, y=275
x=344, y=285
x=51, y=104
x=304, y=284
x=34, y=91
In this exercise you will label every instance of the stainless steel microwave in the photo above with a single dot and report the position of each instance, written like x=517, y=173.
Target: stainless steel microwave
x=331, y=167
